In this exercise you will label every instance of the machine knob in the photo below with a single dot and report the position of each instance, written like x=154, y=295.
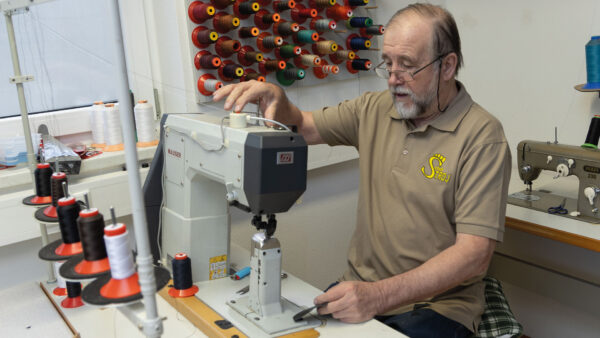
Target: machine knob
x=590, y=193
x=525, y=169
x=548, y=159
x=570, y=162
x=561, y=170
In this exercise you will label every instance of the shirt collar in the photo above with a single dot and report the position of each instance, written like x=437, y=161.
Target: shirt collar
x=448, y=120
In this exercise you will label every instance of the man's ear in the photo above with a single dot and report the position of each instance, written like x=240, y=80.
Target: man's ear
x=449, y=64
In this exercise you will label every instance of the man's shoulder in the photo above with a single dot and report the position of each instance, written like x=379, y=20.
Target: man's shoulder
x=482, y=123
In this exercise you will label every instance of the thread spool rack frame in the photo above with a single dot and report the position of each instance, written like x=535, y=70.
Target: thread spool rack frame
x=339, y=35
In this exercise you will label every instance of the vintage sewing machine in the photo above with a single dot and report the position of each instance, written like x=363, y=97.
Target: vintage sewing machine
x=564, y=160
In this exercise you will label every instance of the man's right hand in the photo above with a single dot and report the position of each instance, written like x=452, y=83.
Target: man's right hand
x=271, y=99
x=272, y=102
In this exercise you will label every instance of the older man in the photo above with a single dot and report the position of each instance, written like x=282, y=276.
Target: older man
x=434, y=172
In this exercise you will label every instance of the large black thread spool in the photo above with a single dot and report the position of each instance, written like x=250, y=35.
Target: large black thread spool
x=43, y=192
x=48, y=214
x=42, y=175
x=73, y=299
x=56, y=187
x=593, y=135
x=73, y=289
x=182, y=272
x=91, y=233
x=68, y=212
x=182, y=277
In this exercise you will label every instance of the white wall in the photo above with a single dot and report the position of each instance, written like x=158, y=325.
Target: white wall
x=522, y=60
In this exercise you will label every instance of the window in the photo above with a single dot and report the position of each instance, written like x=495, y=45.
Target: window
x=67, y=46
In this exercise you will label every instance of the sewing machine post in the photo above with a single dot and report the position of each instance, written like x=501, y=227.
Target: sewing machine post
x=564, y=160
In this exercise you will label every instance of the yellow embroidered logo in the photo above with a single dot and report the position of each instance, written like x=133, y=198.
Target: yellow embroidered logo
x=436, y=171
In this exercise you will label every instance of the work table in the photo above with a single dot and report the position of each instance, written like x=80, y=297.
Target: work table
x=564, y=229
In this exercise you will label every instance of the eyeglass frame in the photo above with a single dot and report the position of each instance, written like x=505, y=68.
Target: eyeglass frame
x=412, y=74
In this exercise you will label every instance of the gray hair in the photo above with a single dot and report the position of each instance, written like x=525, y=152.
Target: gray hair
x=445, y=32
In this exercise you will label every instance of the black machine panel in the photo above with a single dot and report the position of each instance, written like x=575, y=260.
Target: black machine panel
x=274, y=171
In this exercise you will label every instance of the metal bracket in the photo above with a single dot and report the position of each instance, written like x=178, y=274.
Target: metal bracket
x=15, y=5
x=20, y=79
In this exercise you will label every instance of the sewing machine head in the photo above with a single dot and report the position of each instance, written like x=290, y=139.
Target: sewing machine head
x=564, y=160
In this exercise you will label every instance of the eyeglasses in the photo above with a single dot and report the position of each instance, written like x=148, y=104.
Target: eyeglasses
x=385, y=73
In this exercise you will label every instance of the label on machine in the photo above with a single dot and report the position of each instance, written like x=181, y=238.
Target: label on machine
x=218, y=267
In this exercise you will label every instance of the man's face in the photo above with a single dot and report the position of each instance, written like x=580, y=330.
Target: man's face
x=407, y=46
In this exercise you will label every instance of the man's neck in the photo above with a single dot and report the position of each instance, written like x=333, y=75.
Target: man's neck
x=447, y=93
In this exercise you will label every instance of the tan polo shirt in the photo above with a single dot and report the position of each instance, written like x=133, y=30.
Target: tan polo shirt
x=419, y=187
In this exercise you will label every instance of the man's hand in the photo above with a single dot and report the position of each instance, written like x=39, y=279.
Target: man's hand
x=270, y=98
x=273, y=103
x=351, y=302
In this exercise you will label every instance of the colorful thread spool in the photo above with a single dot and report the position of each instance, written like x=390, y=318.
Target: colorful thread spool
x=251, y=74
x=248, y=32
x=223, y=22
x=200, y=12
x=202, y=37
x=280, y=6
x=207, y=84
x=592, y=61
x=205, y=60
x=243, y=9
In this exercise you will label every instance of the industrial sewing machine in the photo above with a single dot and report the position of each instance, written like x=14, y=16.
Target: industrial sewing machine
x=564, y=160
x=212, y=163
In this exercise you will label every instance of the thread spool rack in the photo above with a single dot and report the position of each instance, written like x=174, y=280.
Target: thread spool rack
x=219, y=39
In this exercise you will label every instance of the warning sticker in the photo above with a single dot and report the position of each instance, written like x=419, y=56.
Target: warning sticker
x=218, y=267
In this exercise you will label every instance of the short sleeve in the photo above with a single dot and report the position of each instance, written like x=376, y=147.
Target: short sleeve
x=338, y=125
x=482, y=191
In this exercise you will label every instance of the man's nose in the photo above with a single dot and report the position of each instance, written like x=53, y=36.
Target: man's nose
x=396, y=78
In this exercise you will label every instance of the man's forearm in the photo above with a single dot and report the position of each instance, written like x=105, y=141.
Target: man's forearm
x=467, y=258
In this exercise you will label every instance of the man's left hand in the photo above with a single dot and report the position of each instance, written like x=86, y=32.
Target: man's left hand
x=351, y=302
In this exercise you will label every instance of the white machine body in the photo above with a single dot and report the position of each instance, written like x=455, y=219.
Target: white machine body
x=210, y=164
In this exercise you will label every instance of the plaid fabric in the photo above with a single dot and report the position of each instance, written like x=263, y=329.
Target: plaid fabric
x=497, y=319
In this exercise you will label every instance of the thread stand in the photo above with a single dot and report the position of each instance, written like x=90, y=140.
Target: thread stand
x=580, y=87
x=91, y=294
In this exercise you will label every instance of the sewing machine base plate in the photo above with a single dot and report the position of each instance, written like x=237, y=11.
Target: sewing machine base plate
x=276, y=323
x=541, y=201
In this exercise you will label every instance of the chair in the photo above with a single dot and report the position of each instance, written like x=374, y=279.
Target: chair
x=497, y=319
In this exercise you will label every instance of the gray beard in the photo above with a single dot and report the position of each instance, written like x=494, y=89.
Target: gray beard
x=419, y=104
